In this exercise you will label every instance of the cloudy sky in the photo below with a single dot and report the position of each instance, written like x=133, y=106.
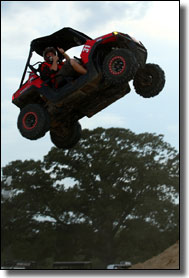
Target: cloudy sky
x=155, y=23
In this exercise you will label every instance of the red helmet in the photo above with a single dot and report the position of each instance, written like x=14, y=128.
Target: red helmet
x=49, y=49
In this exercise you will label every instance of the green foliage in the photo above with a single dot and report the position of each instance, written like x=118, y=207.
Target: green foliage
x=121, y=205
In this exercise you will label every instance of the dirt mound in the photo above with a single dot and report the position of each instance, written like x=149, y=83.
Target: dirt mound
x=169, y=259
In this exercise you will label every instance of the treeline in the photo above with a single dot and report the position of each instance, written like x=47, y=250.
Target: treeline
x=121, y=205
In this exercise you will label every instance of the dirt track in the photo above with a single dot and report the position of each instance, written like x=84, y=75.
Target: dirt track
x=169, y=259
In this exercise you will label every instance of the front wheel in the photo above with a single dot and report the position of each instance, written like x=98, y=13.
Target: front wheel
x=119, y=66
x=149, y=81
x=66, y=138
x=33, y=121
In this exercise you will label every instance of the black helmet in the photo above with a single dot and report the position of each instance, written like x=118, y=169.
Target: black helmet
x=49, y=49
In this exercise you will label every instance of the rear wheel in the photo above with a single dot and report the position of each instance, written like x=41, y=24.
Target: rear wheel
x=66, y=138
x=119, y=66
x=149, y=81
x=33, y=121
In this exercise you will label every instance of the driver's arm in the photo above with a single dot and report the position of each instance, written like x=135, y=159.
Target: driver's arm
x=66, y=56
x=61, y=50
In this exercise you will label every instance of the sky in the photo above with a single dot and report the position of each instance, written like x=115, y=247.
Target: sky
x=154, y=23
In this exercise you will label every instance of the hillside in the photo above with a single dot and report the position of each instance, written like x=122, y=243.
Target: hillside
x=168, y=259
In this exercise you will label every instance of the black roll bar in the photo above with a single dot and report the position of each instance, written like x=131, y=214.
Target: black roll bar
x=27, y=63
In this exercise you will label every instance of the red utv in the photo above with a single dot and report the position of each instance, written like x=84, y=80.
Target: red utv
x=111, y=61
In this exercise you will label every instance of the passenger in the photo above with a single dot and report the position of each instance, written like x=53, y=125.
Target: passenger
x=58, y=72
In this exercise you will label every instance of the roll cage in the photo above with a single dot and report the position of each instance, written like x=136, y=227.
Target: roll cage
x=65, y=38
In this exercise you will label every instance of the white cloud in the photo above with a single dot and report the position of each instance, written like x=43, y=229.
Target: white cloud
x=154, y=22
x=161, y=22
x=29, y=22
x=41, y=18
x=103, y=119
x=99, y=14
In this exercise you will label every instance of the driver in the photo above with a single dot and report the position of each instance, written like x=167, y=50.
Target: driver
x=59, y=72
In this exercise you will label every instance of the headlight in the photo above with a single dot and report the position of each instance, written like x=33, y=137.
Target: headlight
x=115, y=33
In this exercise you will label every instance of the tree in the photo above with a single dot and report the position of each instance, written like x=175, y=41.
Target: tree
x=121, y=205
x=120, y=177
x=28, y=192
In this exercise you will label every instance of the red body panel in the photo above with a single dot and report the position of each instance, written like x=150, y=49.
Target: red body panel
x=33, y=80
x=90, y=43
x=86, y=50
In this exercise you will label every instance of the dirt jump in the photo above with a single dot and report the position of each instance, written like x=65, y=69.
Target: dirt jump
x=168, y=259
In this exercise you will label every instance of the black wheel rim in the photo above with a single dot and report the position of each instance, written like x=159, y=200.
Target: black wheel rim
x=29, y=120
x=117, y=65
